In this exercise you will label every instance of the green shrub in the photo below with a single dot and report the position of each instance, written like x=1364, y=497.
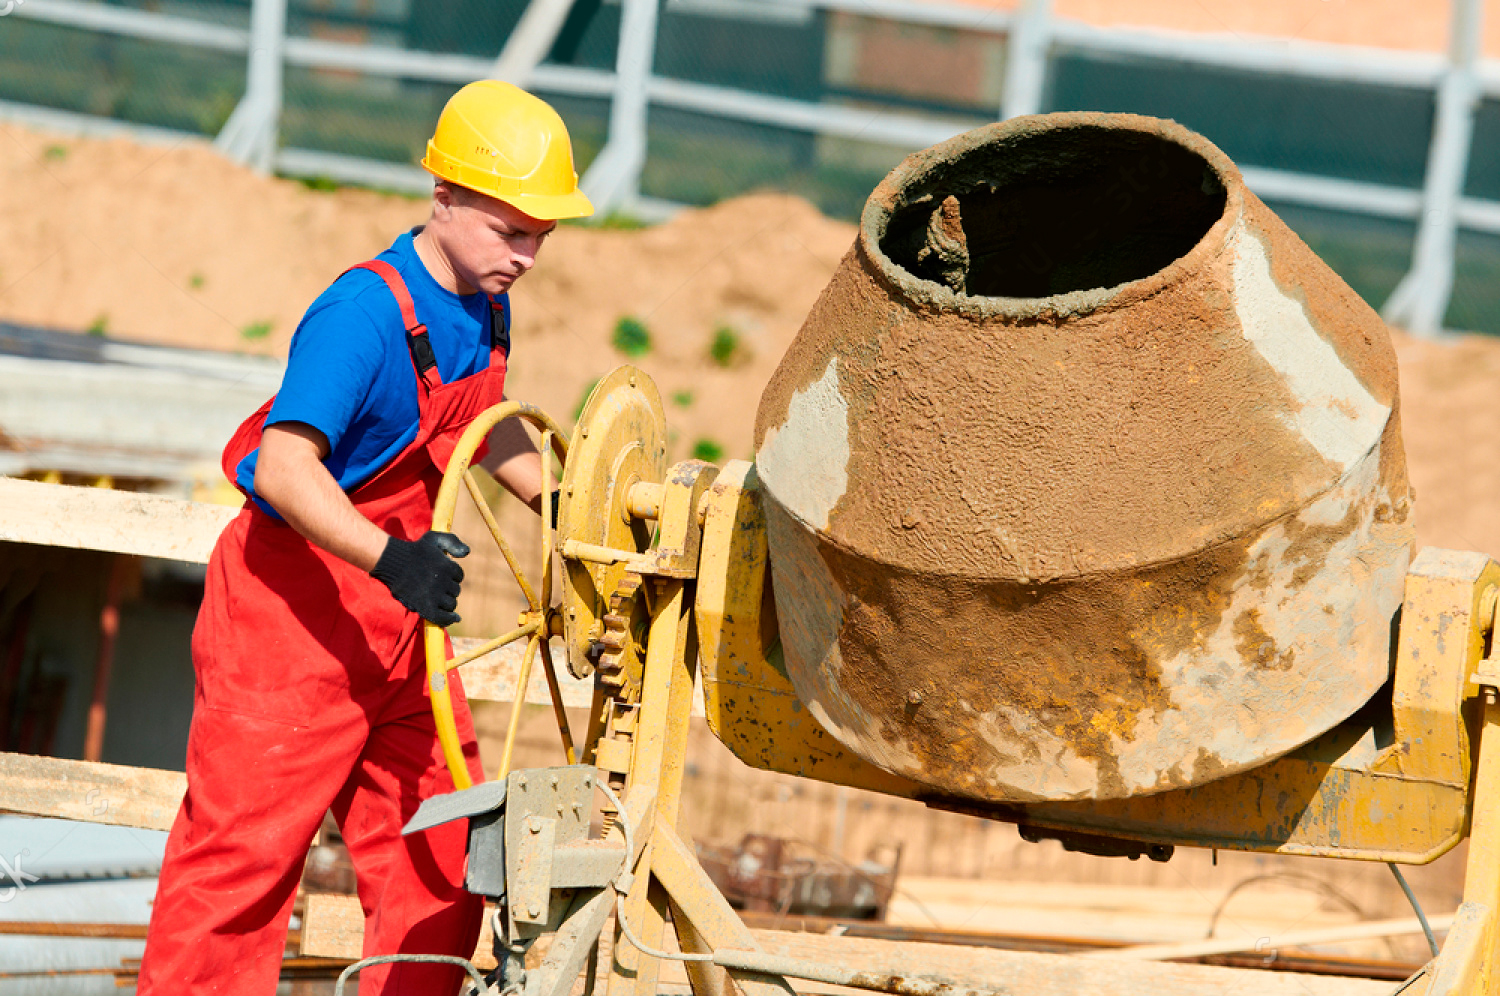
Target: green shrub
x=100, y=325
x=708, y=450
x=682, y=399
x=631, y=337
x=255, y=330
x=726, y=348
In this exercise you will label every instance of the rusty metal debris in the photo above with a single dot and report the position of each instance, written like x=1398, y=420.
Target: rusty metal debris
x=781, y=875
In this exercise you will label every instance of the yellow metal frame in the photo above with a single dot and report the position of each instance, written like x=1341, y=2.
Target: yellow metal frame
x=1401, y=781
x=1391, y=784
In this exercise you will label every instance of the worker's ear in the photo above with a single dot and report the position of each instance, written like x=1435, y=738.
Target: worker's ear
x=443, y=199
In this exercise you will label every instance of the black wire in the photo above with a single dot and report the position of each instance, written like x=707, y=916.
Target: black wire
x=1411, y=897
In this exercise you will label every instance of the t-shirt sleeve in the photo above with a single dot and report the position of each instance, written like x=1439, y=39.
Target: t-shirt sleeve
x=335, y=357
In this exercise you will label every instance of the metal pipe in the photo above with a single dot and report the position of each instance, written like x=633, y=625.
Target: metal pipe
x=109, y=631
x=594, y=553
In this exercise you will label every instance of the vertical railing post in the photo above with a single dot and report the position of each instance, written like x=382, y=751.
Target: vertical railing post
x=1026, y=59
x=1420, y=301
x=614, y=178
x=252, y=133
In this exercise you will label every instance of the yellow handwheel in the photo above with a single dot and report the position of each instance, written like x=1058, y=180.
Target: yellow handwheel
x=537, y=623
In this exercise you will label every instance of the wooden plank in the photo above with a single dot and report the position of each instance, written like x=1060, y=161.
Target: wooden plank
x=1324, y=935
x=112, y=794
x=493, y=677
x=115, y=521
x=1036, y=974
x=333, y=926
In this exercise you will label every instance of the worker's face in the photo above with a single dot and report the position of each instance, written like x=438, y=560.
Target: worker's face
x=488, y=243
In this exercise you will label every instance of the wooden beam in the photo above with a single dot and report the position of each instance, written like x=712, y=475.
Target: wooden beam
x=115, y=521
x=113, y=794
x=1037, y=974
x=1363, y=931
x=493, y=677
x=333, y=927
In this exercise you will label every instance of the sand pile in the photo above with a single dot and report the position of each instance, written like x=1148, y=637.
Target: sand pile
x=175, y=245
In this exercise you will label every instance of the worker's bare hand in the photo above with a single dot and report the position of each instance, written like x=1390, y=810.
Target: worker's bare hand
x=422, y=577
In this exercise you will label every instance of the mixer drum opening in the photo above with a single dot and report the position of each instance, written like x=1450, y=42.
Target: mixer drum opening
x=1057, y=211
x=1083, y=477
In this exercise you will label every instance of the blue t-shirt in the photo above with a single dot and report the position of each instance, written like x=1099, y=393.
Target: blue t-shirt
x=349, y=374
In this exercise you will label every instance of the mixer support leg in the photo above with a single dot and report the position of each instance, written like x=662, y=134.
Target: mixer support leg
x=1466, y=966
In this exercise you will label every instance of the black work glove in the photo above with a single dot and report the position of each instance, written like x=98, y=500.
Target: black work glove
x=420, y=575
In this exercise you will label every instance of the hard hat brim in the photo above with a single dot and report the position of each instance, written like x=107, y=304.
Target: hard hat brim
x=550, y=207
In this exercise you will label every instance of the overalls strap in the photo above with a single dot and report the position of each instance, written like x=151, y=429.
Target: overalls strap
x=423, y=359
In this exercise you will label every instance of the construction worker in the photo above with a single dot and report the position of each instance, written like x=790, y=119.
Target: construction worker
x=311, y=692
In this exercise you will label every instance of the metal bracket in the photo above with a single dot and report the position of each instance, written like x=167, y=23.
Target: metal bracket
x=483, y=798
x=548, y=809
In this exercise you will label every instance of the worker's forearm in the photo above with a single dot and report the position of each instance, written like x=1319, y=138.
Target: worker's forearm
x=291, y=478
x=514, y=461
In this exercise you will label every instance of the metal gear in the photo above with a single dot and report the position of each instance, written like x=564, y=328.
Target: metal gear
x=621, y=665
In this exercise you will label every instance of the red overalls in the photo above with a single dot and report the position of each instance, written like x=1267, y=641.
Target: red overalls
x=312, y=695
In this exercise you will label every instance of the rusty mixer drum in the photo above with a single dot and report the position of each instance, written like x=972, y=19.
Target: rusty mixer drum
x=1084, y=476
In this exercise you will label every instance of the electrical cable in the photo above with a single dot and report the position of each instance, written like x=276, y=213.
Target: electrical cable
x=623, y=882
x=1411, y=897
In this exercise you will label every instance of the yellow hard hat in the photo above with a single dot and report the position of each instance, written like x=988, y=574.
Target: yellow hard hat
x=500, y=140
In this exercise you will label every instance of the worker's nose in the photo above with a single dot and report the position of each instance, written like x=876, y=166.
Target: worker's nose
x=526, y=254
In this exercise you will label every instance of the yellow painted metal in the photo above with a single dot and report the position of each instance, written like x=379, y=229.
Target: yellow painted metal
x=525, y=629
x=751, y=704
x=661, y=729
x=620, y=440
x=1391, y=784
x=1467, y=964
x=523, y=682
x=435, y=640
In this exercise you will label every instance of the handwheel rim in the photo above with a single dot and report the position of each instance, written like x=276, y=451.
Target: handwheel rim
x=443, y=509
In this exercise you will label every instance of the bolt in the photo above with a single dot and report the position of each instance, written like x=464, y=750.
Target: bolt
x=535, y=911
x=584, y=432
x=521, y=781
x=588, y=783
x=554, y=781
x=534, y=825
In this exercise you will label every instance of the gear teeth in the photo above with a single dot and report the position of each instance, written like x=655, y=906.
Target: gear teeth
x=616, y=638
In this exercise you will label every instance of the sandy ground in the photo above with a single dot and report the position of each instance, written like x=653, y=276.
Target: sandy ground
x=176, y=245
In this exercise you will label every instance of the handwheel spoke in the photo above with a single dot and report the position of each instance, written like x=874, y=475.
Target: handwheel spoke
x=547, y=518
x=558, y=711
x=458, y=660
x=522, y=681
x=489, y=520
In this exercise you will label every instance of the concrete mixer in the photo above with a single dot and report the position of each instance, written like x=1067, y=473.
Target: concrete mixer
x=1079, y=502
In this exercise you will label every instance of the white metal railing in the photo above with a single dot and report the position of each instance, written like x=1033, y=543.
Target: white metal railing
x=1033, y=35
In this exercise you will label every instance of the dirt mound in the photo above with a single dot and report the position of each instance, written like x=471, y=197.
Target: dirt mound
x=176, y=245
